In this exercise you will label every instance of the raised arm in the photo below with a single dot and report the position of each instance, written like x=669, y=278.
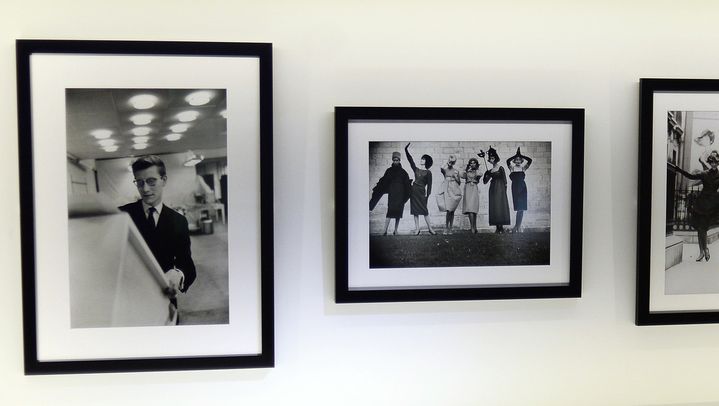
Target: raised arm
x=487, y=176
x=409, y=157
x=688, y=175
x=529, y=161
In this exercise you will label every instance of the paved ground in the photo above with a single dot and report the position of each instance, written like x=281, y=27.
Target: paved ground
x=689, y=276
x=207, y=300
x=459, y=249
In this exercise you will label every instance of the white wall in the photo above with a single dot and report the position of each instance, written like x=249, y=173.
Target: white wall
x=399, y=53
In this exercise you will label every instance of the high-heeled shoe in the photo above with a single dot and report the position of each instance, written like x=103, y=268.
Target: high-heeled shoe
x=432, y=232
x=417, y=233
x=701, y=256
x=706, y=255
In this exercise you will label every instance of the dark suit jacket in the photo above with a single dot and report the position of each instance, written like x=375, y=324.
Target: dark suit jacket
x=169, y=241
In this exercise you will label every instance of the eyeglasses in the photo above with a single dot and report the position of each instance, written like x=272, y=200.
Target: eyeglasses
x=142, y=182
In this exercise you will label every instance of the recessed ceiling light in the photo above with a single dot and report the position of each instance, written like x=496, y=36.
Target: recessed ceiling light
x=140, y=131
x=139, y=146
x=106, y=143
x=141, y=119
x=143, y=101
x=173, y=137
x=140, y=140
x=179, y=128
x=101, y=133
x=110, y=148
x=199, y=98
x=223, y=113
x=186, y=116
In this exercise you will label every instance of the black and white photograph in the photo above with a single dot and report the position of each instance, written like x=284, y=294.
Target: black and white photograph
x=147, y=205
x=458, y=203
x=174, y=143
x=692, y=202
x=677, y=282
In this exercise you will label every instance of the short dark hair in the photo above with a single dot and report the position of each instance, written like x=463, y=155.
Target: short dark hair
x=428, y=161
x=148, y=161
x=469, y=162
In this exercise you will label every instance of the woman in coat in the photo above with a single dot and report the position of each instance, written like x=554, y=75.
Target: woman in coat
x=396, y=184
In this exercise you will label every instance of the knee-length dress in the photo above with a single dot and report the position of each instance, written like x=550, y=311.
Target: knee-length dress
x=704, y=212
x=470, y=204
x=450, y=187
x=421, y=188
x=418, y=198
x=519, y=190
x=498, y=203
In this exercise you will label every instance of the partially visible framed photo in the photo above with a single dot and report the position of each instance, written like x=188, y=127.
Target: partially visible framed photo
x=677, y=278
x=464, y=203
x=146, y=205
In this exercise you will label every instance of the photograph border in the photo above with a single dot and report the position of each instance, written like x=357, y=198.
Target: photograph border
x=25, y=48
x=647, y=88
x=343, y=117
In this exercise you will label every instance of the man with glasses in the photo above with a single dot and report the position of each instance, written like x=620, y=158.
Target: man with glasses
x=164, y=229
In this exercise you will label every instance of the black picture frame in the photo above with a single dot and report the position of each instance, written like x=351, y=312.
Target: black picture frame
x=347, y=152
x=672, y=116
x=30, y=163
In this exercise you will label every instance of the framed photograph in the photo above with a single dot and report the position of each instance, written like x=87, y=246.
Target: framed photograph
x=146, y=205
x=677, y=278
x=464, y=203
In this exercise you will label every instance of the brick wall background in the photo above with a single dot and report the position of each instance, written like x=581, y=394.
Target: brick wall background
x=538, y=178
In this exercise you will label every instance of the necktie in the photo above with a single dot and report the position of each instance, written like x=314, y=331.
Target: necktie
x=151, y=217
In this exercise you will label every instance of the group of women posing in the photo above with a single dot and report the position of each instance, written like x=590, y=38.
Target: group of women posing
x=395, y=180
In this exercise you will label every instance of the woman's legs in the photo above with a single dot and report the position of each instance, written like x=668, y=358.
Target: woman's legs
x=396, y=224
x=429, y=226
x=450, y=221
x=416, y=224
x=386, y=225
x=518, y=222
x=702, y=239
x=473, y=221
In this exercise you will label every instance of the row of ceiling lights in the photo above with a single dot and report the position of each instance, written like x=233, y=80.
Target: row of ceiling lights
x=148, y=101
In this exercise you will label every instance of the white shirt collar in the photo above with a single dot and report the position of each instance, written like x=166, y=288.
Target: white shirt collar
x=158, y=208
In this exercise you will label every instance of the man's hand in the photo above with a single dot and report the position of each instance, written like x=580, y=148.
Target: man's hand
x=176, y=279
